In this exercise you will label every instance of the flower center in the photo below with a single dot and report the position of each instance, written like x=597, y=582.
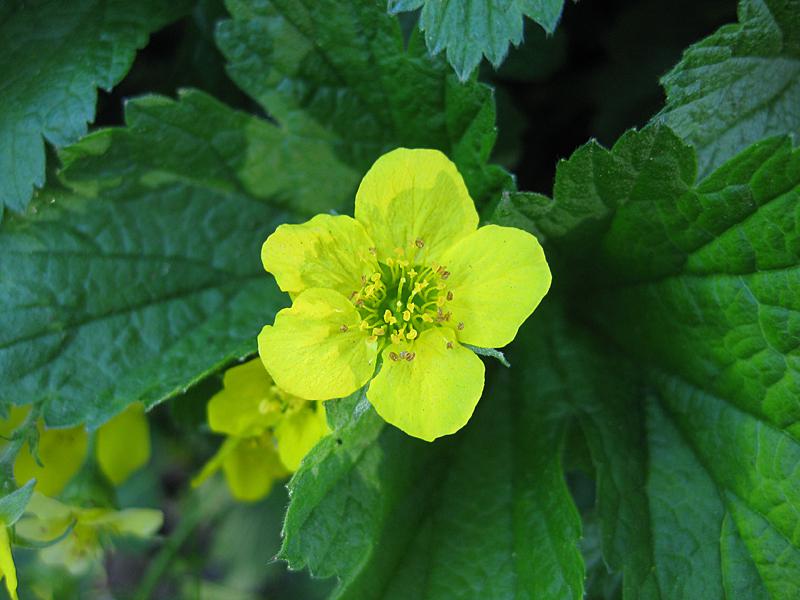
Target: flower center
x=403, y=298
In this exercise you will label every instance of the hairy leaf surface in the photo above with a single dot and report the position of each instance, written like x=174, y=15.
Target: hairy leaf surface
x=55, y=56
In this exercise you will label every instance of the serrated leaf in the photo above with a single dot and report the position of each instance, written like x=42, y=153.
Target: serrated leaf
x=708, y=274
x=394, y=517
x=470, y=29
x=739, y=85
x=341, y=72
x=54, y=58
x=148, y=281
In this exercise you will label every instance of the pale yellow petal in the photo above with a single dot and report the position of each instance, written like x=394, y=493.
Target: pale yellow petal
x=252, y=468
x=498, y=276
x=299, y=431
x=415, y=200
x=434, y=393
x=7, y=568
x=45, y=519
x=327, y=251
x=137, y=522
x=316, y=349
x=122, y=445
x=247, y=404
x=62, y=452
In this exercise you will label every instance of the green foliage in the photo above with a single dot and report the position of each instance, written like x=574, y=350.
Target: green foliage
x=739, y=85
x=710, y=284
x=148, y=305
x=13, y=505
x=470, y=29
x=111, y=297
x=53, y=60
x=663, y=368
x=340, y=72
x=394, y=517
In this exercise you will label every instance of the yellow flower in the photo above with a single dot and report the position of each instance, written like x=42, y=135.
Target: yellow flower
x=409, y=280
x=82, y=547
x=123, y=446
x=268, y=431
x=7, y=569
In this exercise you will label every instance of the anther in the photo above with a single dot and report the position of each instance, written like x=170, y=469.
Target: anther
x=449, y=295
x=449, y=345
x=460, y=325
x=410, y=356
x=376, y=277
x=343, y=328
x=445, y=274
x=419, y=243
x=406, y=315
x=373, y=251
x=412, y=334
x=378, y=331
x=393, y=356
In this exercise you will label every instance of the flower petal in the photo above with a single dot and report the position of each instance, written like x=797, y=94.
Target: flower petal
x=7, y=568
x=498, y=276
x=62, y=452
x=243, y=406
x=432, y=395
x=137, y=522
x=327, y=251
x=252, y=467
x=123, y=444
x=316, y=349
x=299, y=431
x=411, y=195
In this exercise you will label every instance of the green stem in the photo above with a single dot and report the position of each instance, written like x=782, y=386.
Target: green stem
x=194, y=513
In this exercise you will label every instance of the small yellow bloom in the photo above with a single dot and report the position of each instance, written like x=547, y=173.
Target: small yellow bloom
x=8, y=571
x=47, y=519
x=268, y=431
x=469, y=285
x=123, y=446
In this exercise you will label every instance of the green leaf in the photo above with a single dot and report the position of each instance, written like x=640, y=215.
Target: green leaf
x=395, y=517
x=149, y=280
x=469, y=29
x=54, y=58
x=13, y=505
x=708, y=273
x=341, y=72
x=739, y=85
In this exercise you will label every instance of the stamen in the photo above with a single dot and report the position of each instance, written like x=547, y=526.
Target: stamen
x=419, y=243
x=460, y=325
x=412, y=333
x=343, y=328
x=406, y=315
x=411, y=356
x=449, y=295
x=449, y=345
x=393, y=356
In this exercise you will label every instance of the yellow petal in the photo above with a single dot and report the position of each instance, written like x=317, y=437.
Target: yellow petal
x=123, y=444
x=45, y=519
x=138, y=522
x=299, y=431
x=252, y=467
x=327, y=251
x=7, y=568
x=62, y=452
x=245, y=404
x=498, y=276
x=432, y=395
x=316, y=349
x=415, y=200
